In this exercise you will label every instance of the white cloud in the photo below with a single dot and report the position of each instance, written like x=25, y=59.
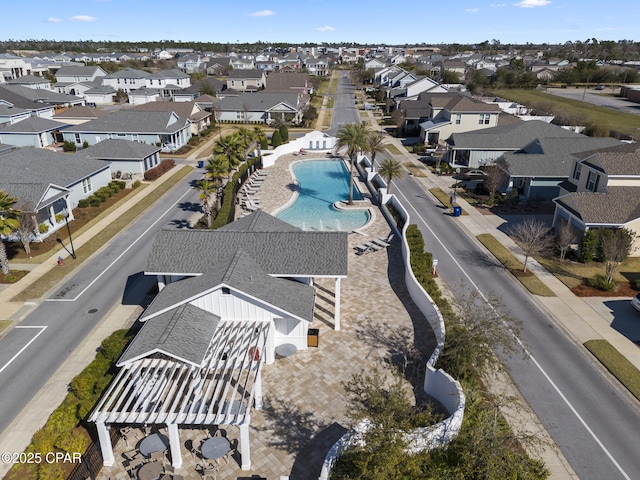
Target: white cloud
x=471, y=10
x=326, y=28
x=531, y=3
x=83, y=18
x=53, y=20
x=262, y=13
x=498, y=5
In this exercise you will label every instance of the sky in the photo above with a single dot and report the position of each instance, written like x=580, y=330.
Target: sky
x=317, y=21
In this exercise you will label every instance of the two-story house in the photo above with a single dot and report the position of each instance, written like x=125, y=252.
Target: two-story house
x=602, y=191
x=126, y=79
x=246, y=80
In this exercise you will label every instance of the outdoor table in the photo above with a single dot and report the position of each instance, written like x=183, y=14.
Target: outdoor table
x=286, y=349
x=215, y=447
x=150, y=471
x=153, y=443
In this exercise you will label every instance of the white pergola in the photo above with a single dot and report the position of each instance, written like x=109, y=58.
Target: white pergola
x=163, y=389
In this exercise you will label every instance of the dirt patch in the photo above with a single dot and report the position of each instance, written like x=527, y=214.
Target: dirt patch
x=623, y=289
x=13, y=276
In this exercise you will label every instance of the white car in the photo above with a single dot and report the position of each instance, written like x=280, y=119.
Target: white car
x=635, y=302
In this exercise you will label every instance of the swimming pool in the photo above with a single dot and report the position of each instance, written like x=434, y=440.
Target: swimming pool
x=322, y=183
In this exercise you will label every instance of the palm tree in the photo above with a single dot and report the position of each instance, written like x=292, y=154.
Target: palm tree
x=259, y=135
x=207, y=189
x=246, y=139
x=8, y=223
x=217, y=169
x=374, y=145
x=354, y=137
x=390, y=169
x=230, y=147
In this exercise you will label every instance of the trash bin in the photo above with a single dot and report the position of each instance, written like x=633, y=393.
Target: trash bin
x=457, y=211
x=200, y=163
x=312, y=337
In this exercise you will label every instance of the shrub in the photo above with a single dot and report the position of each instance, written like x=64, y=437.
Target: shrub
x=276, y=139
x=43, y=228
x=114, y=186
x=59, y=217
x=83, y=203
x=589, y=246
x=284, y=133
x=635, y=284
x=264, y=144
x=85, y=144
x=601, y=283
x=95, y=202
x=136, y=184
x=418, y=148
x=69, y=146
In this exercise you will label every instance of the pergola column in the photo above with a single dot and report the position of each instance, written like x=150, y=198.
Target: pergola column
x=257, y=388
x=105, y=444
x=245, y=452
x=174, y=445
x=337, y=305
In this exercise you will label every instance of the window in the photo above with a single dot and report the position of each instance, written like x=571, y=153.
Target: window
x=78, y=138
x=459, y=118
x=484, y=119
x=86, y=185
x=577, y=169
x=592, y=181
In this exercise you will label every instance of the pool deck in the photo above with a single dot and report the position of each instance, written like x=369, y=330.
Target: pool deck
x=304, y=401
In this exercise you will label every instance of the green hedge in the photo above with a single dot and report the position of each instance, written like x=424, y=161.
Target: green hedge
x=225, y=214
x=422, y=266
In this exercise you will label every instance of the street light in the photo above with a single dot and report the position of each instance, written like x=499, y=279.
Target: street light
x=65, y=214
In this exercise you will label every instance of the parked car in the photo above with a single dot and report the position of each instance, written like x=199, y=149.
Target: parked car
x=472, y=175
x=635, y=302
x=600, y=87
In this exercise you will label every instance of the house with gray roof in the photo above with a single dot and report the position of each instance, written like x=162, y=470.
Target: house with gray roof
x=126, y=79
x=10, y=114
x=42, y=103
x=48, y=182
x=32, y=132
x=482, y=147
x=31, y=81
x=125, y=158
x=602, y=191
x=78, y=114
x=246, y=80
x=536, y=170
x=199, y=118
x=262, y=107
x=164, y=129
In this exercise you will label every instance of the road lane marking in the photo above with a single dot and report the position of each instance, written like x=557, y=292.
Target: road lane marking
x=42, y=329
x=528, y=354
x=119, y=256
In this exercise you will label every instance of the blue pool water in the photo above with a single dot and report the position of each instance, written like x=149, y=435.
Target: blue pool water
x=322, y=183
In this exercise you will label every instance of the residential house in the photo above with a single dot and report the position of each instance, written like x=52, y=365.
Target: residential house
x=536, y=170
x=455, y=66
x=126, y=79
x=317, y=66
x=46, y=182
x=217, y=66
x=32, y=132
x=193, y=92
x=242, y=63
x=31, y=81
x=10, y=98
x=288, y=83
x=191, y=63
x=164, y=129
x=478, y=148
x=374, y=64
x=168, y=81
x=246, y=80
x=13, y=66
x=99, y=95
x=267, y=66
x=198, y=118
x=72, y=74
x=262, y=107
x=41, y=102
x=143, y=95
x=125, y=158
x=78, y=114
x=10, y=115
x=602, y=191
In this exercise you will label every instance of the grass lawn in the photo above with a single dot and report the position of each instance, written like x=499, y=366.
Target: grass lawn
x=393, y=149
x=575, y=274
x=444, y=198
x=617, y=364
x=617, y=121
x=528, y=279
x=4, y=324
x=41, y=286
x=415, y=170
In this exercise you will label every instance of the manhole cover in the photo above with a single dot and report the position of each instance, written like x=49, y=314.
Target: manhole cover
x=93, y=310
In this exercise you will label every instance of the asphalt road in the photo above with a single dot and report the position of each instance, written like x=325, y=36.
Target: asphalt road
x=601, y=98
x=595, y=426
x=60, y=323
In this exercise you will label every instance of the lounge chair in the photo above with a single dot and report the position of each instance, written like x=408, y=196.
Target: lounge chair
x=380, y=242
x=375, y=247
x=364, y=248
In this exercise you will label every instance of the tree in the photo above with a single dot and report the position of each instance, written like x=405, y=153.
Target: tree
x=284, y=133
x=616, y=246
x=374, y=145
x=399, y=117
x=383, y=404
x=8, y=223
x=217, y=113
x=260, y=137
x=494, y=176
x=231, y=147
x=533, y=237
x=207, y=189
x=26, y=227
x=449, y=76
x=390, y=169
x=588, y=246
x=353, y=136
x=566, y=236
x=276, y=139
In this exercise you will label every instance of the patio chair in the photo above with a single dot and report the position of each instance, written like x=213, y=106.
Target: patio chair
x=374, y=247
x=170, y=473
x=364, y=248
x=131, y=454
x=134, y=465
x=380, y=242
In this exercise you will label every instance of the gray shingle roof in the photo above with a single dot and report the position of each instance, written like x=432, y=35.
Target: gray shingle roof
x=26, y=97
x=79, y=111
x=259, y=221
x=31, y=195
x=280, y=253
x=114, y=148
x=622, y=159
x=617, y=206
x=128, y=73
x=249, y=73
x=79, y=71
x=258, y=101
x=33, y=125
x=130, y=121
x=513, y=136
x=550, y=157
x=183, y=333
x=37, y=165
x=239, y=272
